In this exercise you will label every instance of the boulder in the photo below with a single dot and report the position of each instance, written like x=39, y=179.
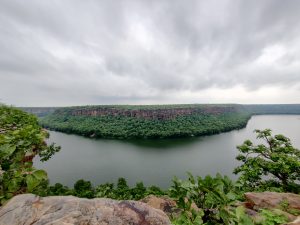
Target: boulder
x=164, y=203
x=285, y=201
x=28, y=209
x=295, y=222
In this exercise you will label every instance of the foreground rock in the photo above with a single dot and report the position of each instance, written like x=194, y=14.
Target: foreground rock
x=286, y=204
x=29, y=209
x=164, y=204
x=273, y=200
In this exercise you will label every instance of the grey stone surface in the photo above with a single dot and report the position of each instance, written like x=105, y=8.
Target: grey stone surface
x=28, y=209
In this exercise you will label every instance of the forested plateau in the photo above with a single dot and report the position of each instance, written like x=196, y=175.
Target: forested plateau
x=155, y=121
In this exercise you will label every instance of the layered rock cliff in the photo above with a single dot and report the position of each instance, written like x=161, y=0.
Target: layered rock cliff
x=158, y=113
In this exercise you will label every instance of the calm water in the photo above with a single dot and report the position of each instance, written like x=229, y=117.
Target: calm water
x=156, y=162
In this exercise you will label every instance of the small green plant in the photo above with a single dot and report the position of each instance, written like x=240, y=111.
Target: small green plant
x=284, y=205
x=191, y=217
x=271, y=218
x=214, y=196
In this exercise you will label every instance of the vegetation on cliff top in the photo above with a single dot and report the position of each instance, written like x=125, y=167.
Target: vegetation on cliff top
x=166, y=121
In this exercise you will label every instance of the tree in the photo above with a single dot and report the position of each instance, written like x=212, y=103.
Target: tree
x=21, y=139
x=84, y=189
x=275, y=162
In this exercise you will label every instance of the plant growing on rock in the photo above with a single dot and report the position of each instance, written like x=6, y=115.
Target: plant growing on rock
x=276, y=163
x=215, y=197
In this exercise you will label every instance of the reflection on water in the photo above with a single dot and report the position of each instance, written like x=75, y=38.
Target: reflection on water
x=156, y=162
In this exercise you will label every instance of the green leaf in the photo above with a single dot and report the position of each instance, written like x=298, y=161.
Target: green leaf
x=7, y=150
x=34, y=179
x=40, y=174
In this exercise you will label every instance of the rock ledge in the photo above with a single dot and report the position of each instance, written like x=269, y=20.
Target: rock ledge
x=28, y=209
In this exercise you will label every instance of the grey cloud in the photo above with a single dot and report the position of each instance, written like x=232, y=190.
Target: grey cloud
x=117, y=51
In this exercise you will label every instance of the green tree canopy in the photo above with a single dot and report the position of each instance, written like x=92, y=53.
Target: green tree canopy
x=21, y=139
x=274, y=162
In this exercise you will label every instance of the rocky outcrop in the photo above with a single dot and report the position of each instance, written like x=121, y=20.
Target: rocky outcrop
x=272, y=200
x=28, y=209
x=295, y=222
x=161, y=114
x=166, y=204
x=286, y=204
x=163, y=203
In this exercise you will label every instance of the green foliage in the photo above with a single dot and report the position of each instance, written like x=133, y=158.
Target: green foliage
x=59, y=189
x=274, y=164
x=21, y=139
x=84, y=189
x=284, y=205
x=191, y=217
x=121, y=191
x=154, y=190
x=206, y=120
x=35, y=178
x=215, y=196
x=272, y=218
x=240, y=217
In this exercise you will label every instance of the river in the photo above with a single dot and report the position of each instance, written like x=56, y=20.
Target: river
x=156, y=162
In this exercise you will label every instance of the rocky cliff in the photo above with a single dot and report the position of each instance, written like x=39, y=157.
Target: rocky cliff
x=159, y=113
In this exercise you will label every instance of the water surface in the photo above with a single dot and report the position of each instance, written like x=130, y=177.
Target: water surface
x=156, y=162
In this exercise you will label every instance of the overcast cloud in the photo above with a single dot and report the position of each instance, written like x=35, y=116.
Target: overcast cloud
x=61, y=52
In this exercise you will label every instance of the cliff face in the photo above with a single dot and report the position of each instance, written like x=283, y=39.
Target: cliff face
x=160, y=114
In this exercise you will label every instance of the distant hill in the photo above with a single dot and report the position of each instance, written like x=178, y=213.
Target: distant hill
x=274, y=109
x=39, y=111
x=147, y=121
x=153, y=121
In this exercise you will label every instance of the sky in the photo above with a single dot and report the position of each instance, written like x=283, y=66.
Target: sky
x=74, y=52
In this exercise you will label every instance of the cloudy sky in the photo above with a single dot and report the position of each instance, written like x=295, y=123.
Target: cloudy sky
x=74, y=52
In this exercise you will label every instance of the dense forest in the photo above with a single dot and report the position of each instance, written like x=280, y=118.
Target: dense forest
x=156, y=121
x=272, y=165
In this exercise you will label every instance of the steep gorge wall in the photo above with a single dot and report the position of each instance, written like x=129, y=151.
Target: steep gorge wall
x=160, y=114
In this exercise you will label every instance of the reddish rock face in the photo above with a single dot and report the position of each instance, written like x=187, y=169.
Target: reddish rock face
x=272, y=200
x=160, y=114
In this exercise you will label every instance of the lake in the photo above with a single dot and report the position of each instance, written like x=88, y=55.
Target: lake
x=156, y=162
